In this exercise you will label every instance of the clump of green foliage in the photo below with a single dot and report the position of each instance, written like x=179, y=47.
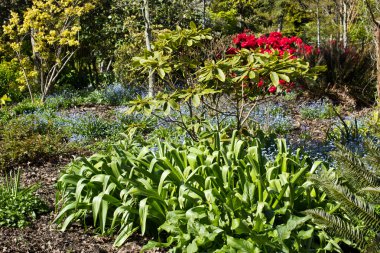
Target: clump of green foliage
x=9, y=80
x=29, y=138
x=219, y=194
x=18, y=206
x=321, y=109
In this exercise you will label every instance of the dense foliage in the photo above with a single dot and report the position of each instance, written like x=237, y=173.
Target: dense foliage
x=53, y=57
x=222, y=186
x=19, y=206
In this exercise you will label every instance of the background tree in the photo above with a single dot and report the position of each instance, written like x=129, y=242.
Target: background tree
x=162, y=15
x=102, y=30
x=52, y=28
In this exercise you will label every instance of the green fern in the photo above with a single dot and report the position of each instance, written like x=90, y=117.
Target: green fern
x=353, y=205
x=373, y=155
x=337, y=226
x=355, y=169
x=355, y=185
x=371, y=189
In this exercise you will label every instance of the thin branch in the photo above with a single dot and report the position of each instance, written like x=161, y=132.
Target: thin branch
x=371, y=13
x=248, y=114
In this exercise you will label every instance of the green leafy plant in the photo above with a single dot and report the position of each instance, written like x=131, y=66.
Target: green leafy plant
x=9, y=83
x=18, y=206
x=4, y=99
x=30, y=138
x=355, y=186
x=219, y=193
x=230, y=85
x=372, y=124
x=23, y=107
x=344, y=131
x=318, y=110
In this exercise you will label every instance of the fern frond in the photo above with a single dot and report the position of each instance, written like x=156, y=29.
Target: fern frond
x=356, y=208
x=371, y=189
x=373, y=155
x=354, y=169
x=373, y=194
x=337, y=226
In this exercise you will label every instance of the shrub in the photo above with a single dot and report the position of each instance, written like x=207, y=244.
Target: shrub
x=349, y=68
x=26, y=107
x=30, y=138
x=4, y=99
x=93, y=97
x=254, y=69
x=18, y=206
x=218, y=194
x=8, y=80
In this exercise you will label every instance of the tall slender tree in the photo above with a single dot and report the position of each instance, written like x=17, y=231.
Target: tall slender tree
x=148, y=41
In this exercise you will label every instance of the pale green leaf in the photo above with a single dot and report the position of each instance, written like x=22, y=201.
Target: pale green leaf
x=274, y=78
x=221, y=76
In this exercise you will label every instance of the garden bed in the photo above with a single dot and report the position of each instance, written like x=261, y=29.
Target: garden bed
x=44, y=236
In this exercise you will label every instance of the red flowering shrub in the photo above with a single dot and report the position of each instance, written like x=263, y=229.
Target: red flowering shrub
x=275, y=41
x=255, y=68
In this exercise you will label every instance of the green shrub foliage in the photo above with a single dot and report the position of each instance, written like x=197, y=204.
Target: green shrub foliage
x=29, y=138
x=18, y=206
x=8, y=80
x=219, y=194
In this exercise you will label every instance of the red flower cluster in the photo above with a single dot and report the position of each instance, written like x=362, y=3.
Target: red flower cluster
x=272, y=89
x=274, y=41
x=287, y=86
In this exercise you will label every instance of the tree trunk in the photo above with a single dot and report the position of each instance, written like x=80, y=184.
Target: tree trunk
x=204, y=14
x=280, y=23
x=148, y=41
x=378, y=60
x=344, y=24
x=318, y=27
x=377, y=44
x=36, y=61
